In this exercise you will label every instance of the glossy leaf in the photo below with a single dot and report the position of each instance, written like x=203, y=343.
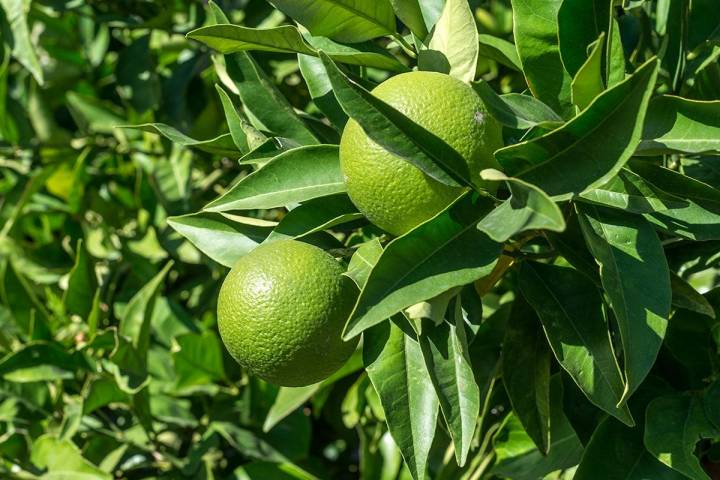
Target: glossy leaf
x=676, y=124
x=526, y=361
x=453, y=45
x=588, y=82
x=245, y=136
x=631, y=257
x=499, y=50
x=517, y=456
x=397, y=133
x=535, y=28
x=394, y=362
x=698, y=218
x=342, y=20
x=235, y=38
x=366, y=54
x=685, y=296
x=570, y=309
x=630, y=192
x=313, y=71
x=569, y=160
x=224, y=238
x=515, y=110
x=673, y=425
x=222, y=145
x=297, y=175
x=580, y=23
x=261, y=98
x=363, y=261
x=446, y=352
x=82, y=279
x=315, y=216
x=528, y=208
x=446, y=251
x=616, y=451
x=411, y=14
x=198, y=361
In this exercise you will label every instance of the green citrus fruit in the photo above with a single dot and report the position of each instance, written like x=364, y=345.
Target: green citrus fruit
x=395, y=195
x=281, y=312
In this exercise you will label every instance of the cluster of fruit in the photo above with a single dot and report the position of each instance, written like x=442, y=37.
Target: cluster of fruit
x=282, y=308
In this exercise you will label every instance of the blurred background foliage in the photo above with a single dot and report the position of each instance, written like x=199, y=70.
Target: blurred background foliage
x=111, y=365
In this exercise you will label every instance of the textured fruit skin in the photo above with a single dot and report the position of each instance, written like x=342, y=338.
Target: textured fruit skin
x=395, y=195
x=281, y=312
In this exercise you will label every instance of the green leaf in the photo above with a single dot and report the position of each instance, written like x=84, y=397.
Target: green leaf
x=630, y=192
x=673, y=53
x=221, y=145
x=603, y=137
x=315, y=216
x=673, y=426
x=446, y=352
x=698, y=218
x=446, y=251
x=320, y=88
x=453, y=46
x=616, y=451
x=199, y=360
x=394, y=362
x=235, y=38
x=363, y=261
x=535, y=28
x=229, y=39
x=297, y=175
x=526, y=373
x=588, y=82
x=244, y=135
x=685, y=296
x=676, y=124
x=571, y=312
x=222, y=237
x=64, y=460
x=411, y=14
x=580, y=23
x=397, y=133
x=366, y=54
x=135, y=321
x=518, y=458
x=29, y=313
x=348, y=21
x=41, y=362
x=499, y=50
x=264, y=101
x=515, y=110
x=631, y=257
x=82, y=279
x=528, y=208
x=18, y=38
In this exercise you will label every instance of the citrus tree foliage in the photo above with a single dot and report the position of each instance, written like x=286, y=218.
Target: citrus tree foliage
x=564, y=327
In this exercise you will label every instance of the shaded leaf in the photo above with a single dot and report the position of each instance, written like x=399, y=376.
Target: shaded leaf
x=603, y=137
x=315, y=216
x=570, y=309
x=528, y=208
x=394, y=362
x=446, y=251
x=82, y=280
x=515, y=110
x=221, y=145
x=499, y=50
x=631, y=257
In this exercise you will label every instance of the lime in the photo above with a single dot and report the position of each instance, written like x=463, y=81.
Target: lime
x=395, y=195
x=281, y=312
